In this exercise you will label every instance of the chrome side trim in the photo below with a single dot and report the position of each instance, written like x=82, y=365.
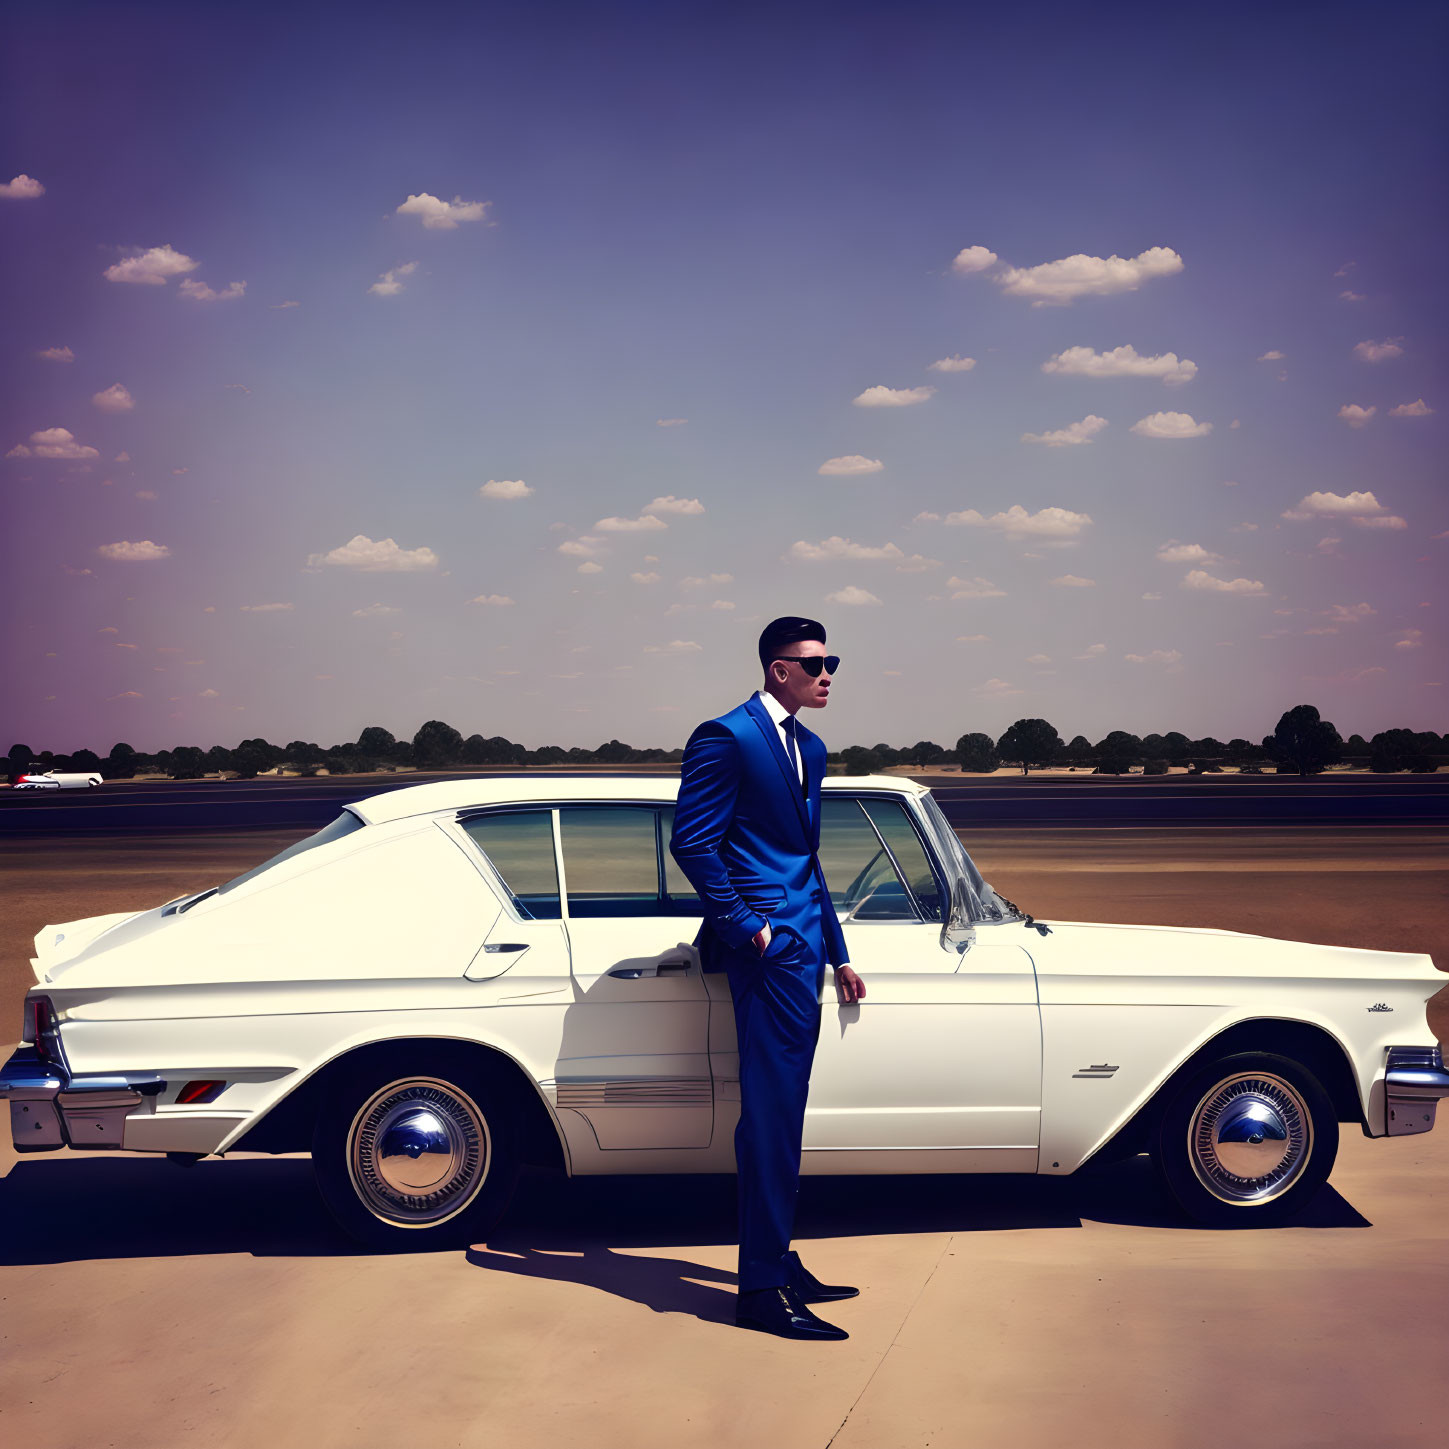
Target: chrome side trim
x=584, y=1094
x=51, y=1107
x=1413, y=1084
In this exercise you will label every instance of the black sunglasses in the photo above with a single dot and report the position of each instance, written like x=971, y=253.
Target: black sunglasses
x=812, y=664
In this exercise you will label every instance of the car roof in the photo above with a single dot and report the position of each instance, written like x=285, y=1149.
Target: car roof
x=471, y=791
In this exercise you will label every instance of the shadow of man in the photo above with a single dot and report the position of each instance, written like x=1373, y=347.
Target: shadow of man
x=665, y=1285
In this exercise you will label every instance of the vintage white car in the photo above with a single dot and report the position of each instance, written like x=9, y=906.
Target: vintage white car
x=57, y=780
x=455, y=980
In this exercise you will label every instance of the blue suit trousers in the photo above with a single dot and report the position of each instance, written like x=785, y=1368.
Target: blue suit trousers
x=777, y=1020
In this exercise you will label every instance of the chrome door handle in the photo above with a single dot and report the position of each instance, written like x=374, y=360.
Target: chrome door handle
x=676, y=965
x=498, y=946
x=628, y=973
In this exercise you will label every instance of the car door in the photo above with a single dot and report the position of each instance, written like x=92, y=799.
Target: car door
x=944, y=1053
x=634, y=1060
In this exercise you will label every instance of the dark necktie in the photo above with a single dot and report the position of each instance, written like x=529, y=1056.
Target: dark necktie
x=790, y=746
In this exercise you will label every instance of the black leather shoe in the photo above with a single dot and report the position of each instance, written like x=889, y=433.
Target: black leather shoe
x=809, y=1289
x=780, y=1311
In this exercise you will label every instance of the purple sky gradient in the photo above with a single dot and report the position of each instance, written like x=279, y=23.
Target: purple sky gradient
x=743, y=218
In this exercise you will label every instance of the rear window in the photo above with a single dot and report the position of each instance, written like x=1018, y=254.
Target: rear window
x=519, y=843
x=345, y=824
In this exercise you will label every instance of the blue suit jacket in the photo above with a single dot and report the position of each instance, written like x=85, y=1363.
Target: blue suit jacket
x=746, y=836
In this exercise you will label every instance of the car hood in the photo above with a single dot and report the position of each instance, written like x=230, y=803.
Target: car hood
x=1082, y=948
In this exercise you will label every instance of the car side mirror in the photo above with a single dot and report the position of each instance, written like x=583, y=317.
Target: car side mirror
x=958, y=934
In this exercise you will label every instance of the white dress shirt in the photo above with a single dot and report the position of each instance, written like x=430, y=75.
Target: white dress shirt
x=780, y=714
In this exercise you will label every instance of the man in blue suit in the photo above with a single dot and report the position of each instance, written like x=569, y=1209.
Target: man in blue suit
x=746, y=833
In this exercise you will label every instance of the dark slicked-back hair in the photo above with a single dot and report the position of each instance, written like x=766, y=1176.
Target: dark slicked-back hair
x=779, y=634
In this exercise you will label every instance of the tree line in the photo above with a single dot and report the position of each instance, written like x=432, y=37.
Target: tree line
x=1302, y=743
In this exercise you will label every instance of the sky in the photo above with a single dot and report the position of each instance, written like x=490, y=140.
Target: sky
x=512, y=366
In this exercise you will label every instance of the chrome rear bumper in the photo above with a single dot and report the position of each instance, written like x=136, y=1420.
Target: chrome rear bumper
x=1413, y=1084
x=50, y=1107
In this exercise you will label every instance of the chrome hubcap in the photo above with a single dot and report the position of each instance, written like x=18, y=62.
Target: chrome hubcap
x=418, y=1152
x=1250, y=1138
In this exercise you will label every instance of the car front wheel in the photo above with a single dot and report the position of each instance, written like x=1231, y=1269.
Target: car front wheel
x=418, y=1159
x=1246, y=1140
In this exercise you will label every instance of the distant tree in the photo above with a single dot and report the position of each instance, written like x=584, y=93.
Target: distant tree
x=1355, y=747
x=923, y=752
x=187, y=762
x=1118, y=752
x=1030, y=742
x=1393, y=750
x=17, y=761
x=375, y=740
x=1080, y=751
x=218, y=759
x=1303, y=742
x=253, y=756
x=613, y=752
x=886, y=754
x=1155, y=767
x=498, y=750
x=1176, y=747
x=859, y=760
x=121, y=762
x=1208, y=748
x=85, y=761
x=1240, y=749
x=547, y=755
x=437, y=744
x=976, y=754
x=300, y=752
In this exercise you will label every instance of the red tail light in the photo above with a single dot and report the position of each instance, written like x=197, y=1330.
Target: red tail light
x=42, y=1030
x=199, y=1091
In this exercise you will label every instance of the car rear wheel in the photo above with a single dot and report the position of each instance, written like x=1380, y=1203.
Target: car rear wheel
x=1246, y=1140
x=418, y=1156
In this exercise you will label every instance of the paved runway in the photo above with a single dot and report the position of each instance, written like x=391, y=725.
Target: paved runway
x=126, y=807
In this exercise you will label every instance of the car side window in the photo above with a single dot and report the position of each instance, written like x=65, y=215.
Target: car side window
x=611, y=859
x=680, y=896
x=890, y=818
x=519, y=843
x=859, y=872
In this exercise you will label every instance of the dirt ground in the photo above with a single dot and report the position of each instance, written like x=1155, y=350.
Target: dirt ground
x=144, y=1305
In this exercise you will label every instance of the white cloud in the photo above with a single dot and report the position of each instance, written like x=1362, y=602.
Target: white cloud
x=147, y=495
x=142, y=551
x=1350, y=296
x=266, y=608
x=209, y=694
x=1170, y=425
x=973, y=259
x=1016, y=522
x=1070, y=436
x=1416, y=409
x=997, y=687
x=835, y=547
x=973, y=638
x=1060, y=283
x=722, y=604
x=894, y=397
x=21, y=188
x=1362, y=509
x=1166, y=657
x=505, y=489
x=200, y=292
x=684, y=507
x=675, y=646
x=388, y=285
x=954, y=363
x=1150, y=597
x=1206, y=583
x=849, y=466
x=53, y=443
x=670, y=422
x=645, y=523
x=850, y=594
x=115, y=399
x=439, y=215
x=1356, y=416
x=494, y=601
x=1384, y=351
x=56, y=354
x=1273, y=356
x=645, y=578
x=1123, y=361
x=377, y=557
x=1092, y=651
x=1349, y=613
x=377, y=611
x=917, y=563
x=1071, y=581
x=282, y=306
x=977, y=588
x=585, y=546
x=590, y=567
x=1180, y=553
x=1413, y=639
x=1038, y=659
x=151, y=268
x=709, y=581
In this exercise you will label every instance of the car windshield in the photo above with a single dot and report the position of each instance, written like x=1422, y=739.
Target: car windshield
x=984, y=903
x=345, y=824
